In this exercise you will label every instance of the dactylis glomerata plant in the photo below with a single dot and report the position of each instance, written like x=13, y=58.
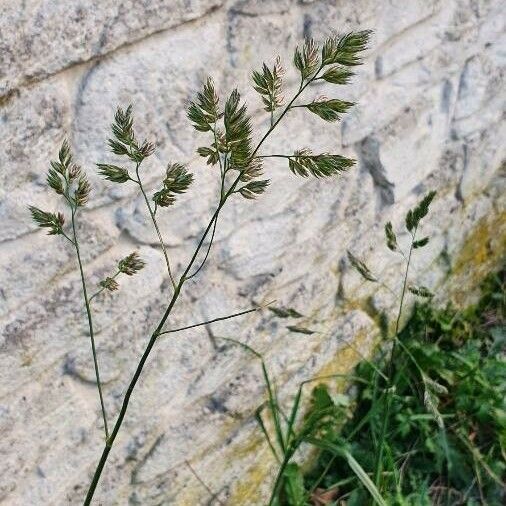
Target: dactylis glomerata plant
x=232, y=150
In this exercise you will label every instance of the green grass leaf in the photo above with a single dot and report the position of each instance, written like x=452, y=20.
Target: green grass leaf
x=341, y=451
x=294, y=485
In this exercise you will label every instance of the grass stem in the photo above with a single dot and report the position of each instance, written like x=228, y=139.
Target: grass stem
x=90, y=322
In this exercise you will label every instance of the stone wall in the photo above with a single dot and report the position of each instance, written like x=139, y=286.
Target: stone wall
x=429, y=116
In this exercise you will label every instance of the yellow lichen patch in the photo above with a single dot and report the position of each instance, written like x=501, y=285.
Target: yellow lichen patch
x=252, y=446
x=482, y=249
x=247, y=491
x=348, y=356
x=258, y=473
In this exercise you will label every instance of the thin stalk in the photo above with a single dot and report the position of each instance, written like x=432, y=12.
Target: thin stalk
x=199, y=268
x=175, y=296
x=155, y=224
x=68, y=238
x=223, y=172
x=98, y=292
x=90, y=322
x=258, y=417
x=389, y=394
x=274, y=408
x=213, y=233
x=221, y=318
x=404, y=286
x=272, y=399
x=279, y=477
x=275, y=156
x=322, y=475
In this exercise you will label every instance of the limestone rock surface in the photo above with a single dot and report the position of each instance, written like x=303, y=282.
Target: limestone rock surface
x=429, y=115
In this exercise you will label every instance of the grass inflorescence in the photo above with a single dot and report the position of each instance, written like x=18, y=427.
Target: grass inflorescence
x=234, y=149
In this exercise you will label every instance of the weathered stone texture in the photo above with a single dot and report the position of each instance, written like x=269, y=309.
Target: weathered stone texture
x=430, y=114
x=38, y=39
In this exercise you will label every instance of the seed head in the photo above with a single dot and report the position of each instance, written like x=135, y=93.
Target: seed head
x=109, y=284
x=131, y=264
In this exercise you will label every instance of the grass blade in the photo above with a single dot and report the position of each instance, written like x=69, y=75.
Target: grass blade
x=354, y=465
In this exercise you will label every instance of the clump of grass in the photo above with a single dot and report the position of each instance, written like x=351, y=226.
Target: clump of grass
x=318, y=427
x=427, y=423
x=446, y=437
x=290, y=431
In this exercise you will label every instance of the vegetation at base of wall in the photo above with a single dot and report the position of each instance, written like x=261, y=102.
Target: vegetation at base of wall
x=423, y=423
x=446, y=444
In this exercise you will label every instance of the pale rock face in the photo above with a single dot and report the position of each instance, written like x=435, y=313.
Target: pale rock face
x=429, y=115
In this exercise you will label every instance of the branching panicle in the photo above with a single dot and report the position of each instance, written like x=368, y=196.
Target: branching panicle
x=307, y=59
x=204, y=113
x=329, y=110
x=113, y=173
x=240, y=164
x=345, y=50
x=53, y=221
x=131, y=264
x=177, y=180
x=268, y=84
x=305, y=163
